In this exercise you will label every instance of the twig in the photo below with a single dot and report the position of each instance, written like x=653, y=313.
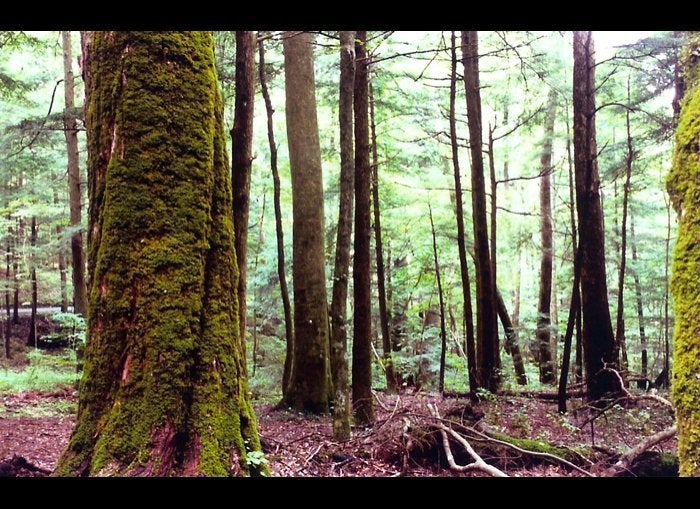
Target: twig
x=314, y=453
x=479, y=463
x=627, y=459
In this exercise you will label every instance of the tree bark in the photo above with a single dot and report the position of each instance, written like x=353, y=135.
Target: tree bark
x=310, y=381
x=281, y=264
x=31, y=338
x=443, y=329
x=8, y=290
x=546, y=230
x=19, y=239
x=598, y=339
x=362, y=320
x=492, y=235
x=684, y=190
x=511, y=340
x=242, y=161
x=339, y=341
x=470, y=345
x=391, y=381
x=163, y=391
x=486, y=332
x=74, y=194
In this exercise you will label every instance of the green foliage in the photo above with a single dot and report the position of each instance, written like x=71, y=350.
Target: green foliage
x=46, y=372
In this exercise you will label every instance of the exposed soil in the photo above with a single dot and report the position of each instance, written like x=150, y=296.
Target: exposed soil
x=37, y=426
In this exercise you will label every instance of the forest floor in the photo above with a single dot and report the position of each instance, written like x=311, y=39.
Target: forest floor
x=36, y=425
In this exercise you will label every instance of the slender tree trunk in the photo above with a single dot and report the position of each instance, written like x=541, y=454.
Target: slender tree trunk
x=31, y=338
x=470, y=345
x=620, y=321
x=640, y=307
x=310, y=387
x=546, y=229
x=486, y=332
x=391, y=385
x=261, y=240
x=61, y=262
x=511, y=340
x=8, y=319
x=19, y=239
x=574, y=312
x=443, y=329
x=339, y=342
x=684, y=190
x=281, y=270
x=74, y=194
x=362, y=320
x=598, y=338
x=242, y=161
x=492, y=232
x=163, y=391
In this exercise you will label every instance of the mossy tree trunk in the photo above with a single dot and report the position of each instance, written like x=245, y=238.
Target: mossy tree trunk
x=339, y=349
x=279, y=232
x=310, y=380
x=74, y=193
x=363, y=409
x=684, y=188
x=242, y=161
x=544, y=321
x=598, y=339
x=163, y=390
x=486, y=331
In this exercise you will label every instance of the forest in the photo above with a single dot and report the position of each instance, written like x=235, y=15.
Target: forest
x=350, y=253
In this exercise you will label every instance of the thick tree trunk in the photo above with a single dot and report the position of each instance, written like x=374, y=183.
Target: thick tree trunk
x=74, y=194
x=31, y=338
x=281, y=264
x=470, y=345
x=242, y=161
x=379, y=250
x=443, y=329
x=339, y=341
x=598, y=339
x=310, y=381
x=546, y=229
x=362, y=321
x=684, y=189
x=486, y=332
x=640, y=308
x=163, y=390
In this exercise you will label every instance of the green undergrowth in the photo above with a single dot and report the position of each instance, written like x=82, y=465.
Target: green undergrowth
x=45, y=372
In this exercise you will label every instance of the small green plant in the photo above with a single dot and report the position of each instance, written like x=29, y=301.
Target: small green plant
x=485, y=394
x=256, y=459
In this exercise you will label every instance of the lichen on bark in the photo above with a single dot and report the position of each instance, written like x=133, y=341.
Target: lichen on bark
x=684, y=188
x=163, y=391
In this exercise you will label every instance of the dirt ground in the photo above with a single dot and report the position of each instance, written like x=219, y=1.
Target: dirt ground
x=37, y=426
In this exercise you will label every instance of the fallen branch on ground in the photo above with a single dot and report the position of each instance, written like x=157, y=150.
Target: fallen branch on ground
x=627, y=459
x=479, y=463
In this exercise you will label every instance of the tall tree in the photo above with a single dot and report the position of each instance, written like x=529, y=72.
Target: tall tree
x=546, y=233
x=486, y=332
x=467, y=315
x=598, y=339
x=379, y=252
x=684, y=189
x=363, y=409
x=163, y=390
x=443, y=331
x=620, y=318
x=242, y=160
x=61, y=262
x=640, y=307
x=310, y=381
x=281, y=264
x=339, y=341
x=74, y=194
x=31, y=338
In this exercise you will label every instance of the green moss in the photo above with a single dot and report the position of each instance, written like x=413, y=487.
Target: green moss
x=538, y=446
x=163, y=369
x=684, y=188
